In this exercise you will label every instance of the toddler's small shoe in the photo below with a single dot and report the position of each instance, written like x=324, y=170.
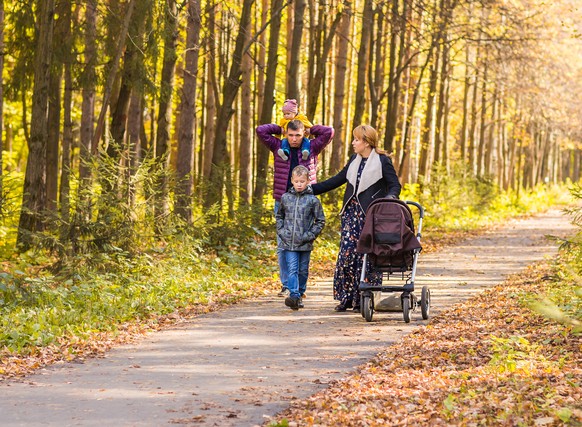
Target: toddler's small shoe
x=282, y=154
x=305, y=154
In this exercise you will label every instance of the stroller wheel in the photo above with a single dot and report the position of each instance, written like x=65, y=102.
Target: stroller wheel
x=425, y=302
x=406, y=308
x=367, y=307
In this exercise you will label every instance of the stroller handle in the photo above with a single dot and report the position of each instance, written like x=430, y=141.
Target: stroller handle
x=421, y=216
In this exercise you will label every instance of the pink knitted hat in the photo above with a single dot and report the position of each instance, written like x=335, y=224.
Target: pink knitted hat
x=290, y=106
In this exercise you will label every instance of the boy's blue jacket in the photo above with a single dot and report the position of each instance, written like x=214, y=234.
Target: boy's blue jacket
x=300, y=219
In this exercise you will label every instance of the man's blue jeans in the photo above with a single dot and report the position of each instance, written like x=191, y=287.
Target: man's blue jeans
x=283, y=274
x=298, y=270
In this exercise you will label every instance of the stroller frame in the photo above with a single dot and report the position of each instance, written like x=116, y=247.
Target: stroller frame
x=409, y=301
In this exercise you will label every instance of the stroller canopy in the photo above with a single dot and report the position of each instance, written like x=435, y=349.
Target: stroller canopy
x=388, y=230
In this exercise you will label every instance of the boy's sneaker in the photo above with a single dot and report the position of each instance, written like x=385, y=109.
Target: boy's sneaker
x=292, y=302
x=304, y=154
x=282, y=154
x=284, y=292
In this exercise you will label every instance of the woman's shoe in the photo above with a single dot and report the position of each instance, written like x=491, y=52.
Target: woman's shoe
x=341, y=307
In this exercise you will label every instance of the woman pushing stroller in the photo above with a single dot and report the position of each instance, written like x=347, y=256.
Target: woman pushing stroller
x=369, y=175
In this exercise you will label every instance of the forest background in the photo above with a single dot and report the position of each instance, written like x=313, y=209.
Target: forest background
x=152, y=104
x=132, y=183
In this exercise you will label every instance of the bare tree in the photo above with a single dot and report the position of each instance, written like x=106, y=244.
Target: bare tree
x=341, y=65
x=112, y=73
x=293, y=67
x=55, y=109
x=399, y=31
x=362, y=65
x=319, y=58
x=211, y=95
x=88, y=92
x=161, y=205
x=220, y=159
x=268, y=101
x=34, y=191
x=185, y=164
x=1, y=103
x=65, y=186
x=246, y=132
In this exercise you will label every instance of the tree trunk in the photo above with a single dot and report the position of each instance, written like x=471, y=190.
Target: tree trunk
x=491, y=140
x=132, y=62
x=293, y=69
x=60, y=33
x=260, y=152
x=1, y=105
x=427, y=129
x=397, y=51
x=246, y=133
x=318, y=73
x=268, y=102
x=161, y=208
x=210, y=103
x=220, y=158
x=466, y=100
x=65, y=187
x=403, y=172
x=88, y=94
x=185, y=165
x=341, y=66
x=54, y=121
x=34, y=191
x=112, y=73
x=473, y=125
x=362, y=63
x=376, y=73
x=482, y=153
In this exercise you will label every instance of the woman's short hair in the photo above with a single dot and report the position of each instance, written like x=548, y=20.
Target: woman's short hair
x=367, y=133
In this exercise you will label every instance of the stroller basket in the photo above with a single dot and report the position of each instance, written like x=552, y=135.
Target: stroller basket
x=390, y=245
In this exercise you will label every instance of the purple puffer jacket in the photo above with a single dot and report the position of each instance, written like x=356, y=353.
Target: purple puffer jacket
x=266, y=134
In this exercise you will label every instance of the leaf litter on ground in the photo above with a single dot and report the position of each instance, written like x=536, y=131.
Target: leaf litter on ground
x=487, y=361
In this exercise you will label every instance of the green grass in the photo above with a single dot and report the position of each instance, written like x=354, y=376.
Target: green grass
x=38, y=310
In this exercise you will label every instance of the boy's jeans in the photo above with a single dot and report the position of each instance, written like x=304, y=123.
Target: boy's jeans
x=283, y=274
x=298, y=270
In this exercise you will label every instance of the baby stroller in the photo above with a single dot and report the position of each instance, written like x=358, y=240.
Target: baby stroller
x=389, y=243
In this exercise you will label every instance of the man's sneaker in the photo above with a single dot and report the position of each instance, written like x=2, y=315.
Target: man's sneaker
x=300, y=303
x=292, y=302
x=284, y=292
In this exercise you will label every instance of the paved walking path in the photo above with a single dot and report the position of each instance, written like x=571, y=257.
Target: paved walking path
x=243, y=364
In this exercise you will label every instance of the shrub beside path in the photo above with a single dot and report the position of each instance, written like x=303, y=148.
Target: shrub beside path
x=241, y=365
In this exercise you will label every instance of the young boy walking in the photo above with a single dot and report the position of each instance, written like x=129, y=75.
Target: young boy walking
x=300, y=219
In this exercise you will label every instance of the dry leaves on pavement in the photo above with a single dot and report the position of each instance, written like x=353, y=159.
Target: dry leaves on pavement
x=488, y=361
